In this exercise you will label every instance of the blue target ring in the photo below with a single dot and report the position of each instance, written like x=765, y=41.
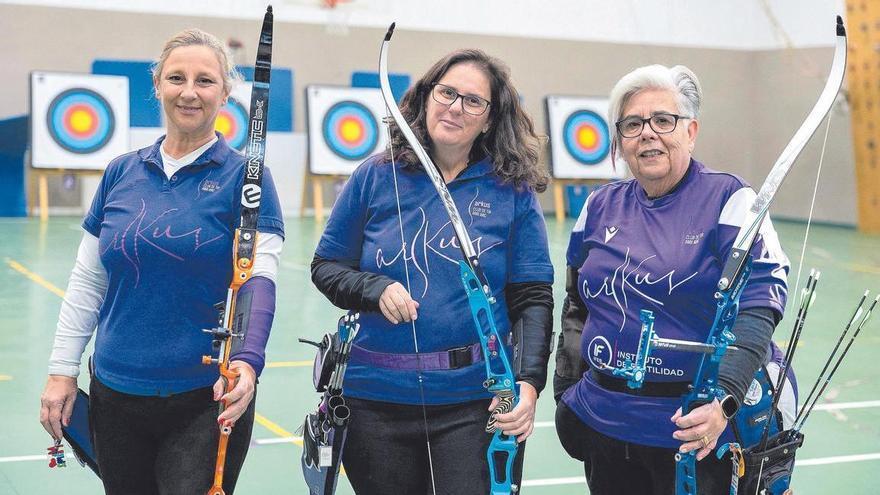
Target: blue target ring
x=232, y=123
x=586, y=137
x=350, y=130
x=80, y=120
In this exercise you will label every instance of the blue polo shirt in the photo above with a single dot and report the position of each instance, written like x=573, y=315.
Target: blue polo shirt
x=507, y=230
x=666, y=255
x=167, y=247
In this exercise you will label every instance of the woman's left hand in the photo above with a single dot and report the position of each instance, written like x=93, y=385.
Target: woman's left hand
x=239, y=398
x=700, y=428
x=521, y=421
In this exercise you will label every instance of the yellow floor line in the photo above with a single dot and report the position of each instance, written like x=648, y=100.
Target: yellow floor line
x=5, y=378
x=281, y=432
x=35, y=278
x=289, y=364
x=274, y=427
x=862, y=268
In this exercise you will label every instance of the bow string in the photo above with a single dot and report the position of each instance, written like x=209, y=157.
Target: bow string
x=500, y=380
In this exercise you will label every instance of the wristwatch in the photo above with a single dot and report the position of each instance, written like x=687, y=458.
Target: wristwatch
x=729, y=406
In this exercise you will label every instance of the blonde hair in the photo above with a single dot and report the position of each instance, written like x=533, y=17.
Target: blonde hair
x=197, y=37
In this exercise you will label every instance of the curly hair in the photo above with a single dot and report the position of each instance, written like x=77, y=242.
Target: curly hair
x=510, y=142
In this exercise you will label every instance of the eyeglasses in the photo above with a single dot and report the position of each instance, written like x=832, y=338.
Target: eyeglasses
x=471, y=104
x=661, y=123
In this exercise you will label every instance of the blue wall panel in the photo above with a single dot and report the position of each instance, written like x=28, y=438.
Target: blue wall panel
x=13, y=142
x=143, y=106
x=364, y=79
x=280, y=97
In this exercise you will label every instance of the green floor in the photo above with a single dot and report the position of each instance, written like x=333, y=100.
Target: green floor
x=38, y=257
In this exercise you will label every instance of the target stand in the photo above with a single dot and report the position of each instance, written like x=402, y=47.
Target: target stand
x=79, y=123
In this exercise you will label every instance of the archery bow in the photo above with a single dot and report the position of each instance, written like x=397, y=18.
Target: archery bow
x=734, y=277
x=244, y=250
x=500, y=379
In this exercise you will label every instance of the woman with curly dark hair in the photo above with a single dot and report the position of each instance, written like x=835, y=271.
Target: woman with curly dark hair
x=419, y=408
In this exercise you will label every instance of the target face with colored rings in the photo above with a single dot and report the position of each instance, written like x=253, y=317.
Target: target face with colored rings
x=350, y=130
x=80, y=120
x=586, y=137
x=232, y=123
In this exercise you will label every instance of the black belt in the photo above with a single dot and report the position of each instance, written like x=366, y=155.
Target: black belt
x=649, y=389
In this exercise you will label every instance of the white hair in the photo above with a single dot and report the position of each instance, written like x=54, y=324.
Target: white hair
x=679, y=80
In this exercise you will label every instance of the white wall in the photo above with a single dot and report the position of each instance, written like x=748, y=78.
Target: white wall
x=735, y=24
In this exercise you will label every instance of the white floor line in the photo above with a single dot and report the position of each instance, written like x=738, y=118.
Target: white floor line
x=840, y=459
x=576, y=480
x=802, y=463
x=19, y=458
x=270, y=441
x=829, y=406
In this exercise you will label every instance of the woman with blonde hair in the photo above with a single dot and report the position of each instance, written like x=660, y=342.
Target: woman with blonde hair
x=155, y=258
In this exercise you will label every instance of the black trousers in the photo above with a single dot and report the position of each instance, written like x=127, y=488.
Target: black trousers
x=386, y=452
x=615, y=467
x=162, y=445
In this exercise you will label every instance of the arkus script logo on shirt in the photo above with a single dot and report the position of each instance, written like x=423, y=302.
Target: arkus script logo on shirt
x=610, y=232
x=633, y=278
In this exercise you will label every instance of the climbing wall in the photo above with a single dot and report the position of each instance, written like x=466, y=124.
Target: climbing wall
x=863, y=80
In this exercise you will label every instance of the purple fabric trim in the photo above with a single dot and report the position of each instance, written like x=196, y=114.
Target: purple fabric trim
x=425, y=361
x=253, y=351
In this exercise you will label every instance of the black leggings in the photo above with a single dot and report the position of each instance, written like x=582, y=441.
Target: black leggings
x=162, y=445
x=385, y=452
x=615, y=467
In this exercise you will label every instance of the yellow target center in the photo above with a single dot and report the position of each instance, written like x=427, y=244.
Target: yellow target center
x=351, y=131
x=587, y=137
x=80, y=121
x=223, y=125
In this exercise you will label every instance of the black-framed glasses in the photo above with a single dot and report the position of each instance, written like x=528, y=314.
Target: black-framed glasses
x=661, y=123
x=471, y=104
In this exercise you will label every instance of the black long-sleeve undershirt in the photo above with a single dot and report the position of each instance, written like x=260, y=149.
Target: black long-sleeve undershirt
x=530, y=309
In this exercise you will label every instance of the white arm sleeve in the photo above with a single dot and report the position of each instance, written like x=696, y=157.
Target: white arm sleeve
x=79, y=311
x=268, y=255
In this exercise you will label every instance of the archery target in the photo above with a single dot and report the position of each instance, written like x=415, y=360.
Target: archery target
x=78, y=121
x=586, y=137
x=350, y=130
x=232, y=120
x=343, y=127
x=580, y=138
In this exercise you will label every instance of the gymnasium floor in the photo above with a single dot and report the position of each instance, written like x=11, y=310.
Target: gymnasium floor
x=841, y=454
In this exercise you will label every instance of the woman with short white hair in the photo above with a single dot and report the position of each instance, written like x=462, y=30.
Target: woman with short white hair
x=658, y=242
